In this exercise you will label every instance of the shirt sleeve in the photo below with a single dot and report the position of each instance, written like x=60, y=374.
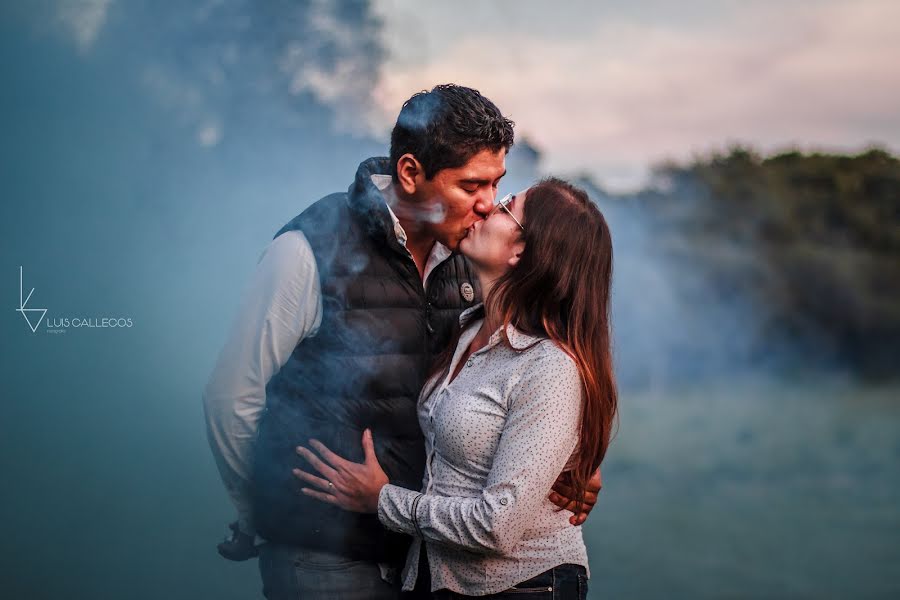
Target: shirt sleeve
x=281, y=306
x=540, y=434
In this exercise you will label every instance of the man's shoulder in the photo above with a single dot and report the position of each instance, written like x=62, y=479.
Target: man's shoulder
x=336, y=201
x=323, y=215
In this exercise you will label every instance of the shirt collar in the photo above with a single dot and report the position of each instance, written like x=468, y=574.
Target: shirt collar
x=470, y=314
x=383, y=183
x=517, y=339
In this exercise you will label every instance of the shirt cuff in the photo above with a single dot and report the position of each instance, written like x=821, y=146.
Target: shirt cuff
x=396, y=509
x=245, y=524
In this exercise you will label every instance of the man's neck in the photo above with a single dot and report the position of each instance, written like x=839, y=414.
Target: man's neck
x=418, y=243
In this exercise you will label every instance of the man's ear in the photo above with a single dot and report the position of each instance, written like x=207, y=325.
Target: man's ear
x=410, y=173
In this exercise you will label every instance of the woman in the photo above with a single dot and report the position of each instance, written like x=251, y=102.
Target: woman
x=526, y=392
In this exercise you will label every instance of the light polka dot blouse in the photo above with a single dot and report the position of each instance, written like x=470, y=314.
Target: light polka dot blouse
x=496, y=439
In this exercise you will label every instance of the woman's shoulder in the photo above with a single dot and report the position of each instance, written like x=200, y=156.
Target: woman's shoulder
x=546, y=376
x=543, y=353
x=556, y=359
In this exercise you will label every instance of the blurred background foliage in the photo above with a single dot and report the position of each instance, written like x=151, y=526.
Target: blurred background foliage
x=810, y=240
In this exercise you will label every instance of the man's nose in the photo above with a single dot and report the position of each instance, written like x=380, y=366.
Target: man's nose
x=485, y=203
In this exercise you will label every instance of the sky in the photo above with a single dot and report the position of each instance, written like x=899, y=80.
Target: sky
x=613, y=87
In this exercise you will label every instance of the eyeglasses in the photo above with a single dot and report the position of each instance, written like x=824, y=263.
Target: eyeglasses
x=504, y=204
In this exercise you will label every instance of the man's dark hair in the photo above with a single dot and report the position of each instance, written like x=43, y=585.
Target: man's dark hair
x=446, y=127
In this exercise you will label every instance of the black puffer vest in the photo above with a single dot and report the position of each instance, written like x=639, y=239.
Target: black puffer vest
x=364, y=368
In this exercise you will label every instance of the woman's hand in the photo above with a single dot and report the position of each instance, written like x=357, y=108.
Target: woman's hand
x=349, y=485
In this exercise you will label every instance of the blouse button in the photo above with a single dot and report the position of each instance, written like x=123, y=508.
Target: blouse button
x=503, y=501
x=469, y=363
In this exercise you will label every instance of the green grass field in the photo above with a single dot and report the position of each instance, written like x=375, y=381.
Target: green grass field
x=751, y=488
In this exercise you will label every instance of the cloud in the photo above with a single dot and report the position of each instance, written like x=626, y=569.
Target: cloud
x=341, y=77
x=216, y=61
x=624, y=93
x=209, y=135
x=83, y=19
x=187, y=101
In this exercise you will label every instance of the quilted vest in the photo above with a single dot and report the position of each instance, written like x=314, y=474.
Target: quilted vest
x=364, y=368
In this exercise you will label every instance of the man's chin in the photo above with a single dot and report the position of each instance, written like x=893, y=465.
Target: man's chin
x=451, y=239
x=452, y=243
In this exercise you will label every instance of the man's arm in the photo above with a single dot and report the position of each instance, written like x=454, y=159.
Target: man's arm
x=281, y=306
x=563, y=493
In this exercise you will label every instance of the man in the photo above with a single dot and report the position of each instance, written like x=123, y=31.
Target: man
x=346, y=309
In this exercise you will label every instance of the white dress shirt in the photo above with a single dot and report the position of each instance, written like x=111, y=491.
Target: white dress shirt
x=281, y=306
x=496, y=438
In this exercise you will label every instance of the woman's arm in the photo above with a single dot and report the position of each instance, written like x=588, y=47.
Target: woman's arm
x=539, y=435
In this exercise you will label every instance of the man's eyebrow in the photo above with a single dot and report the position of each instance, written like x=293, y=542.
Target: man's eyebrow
x=481, y=181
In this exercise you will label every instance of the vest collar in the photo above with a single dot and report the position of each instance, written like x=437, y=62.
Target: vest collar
x=367, y=202
x=370, y=199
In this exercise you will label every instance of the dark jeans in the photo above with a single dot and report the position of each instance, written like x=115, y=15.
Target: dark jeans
x=565, y=582
x=290, y=573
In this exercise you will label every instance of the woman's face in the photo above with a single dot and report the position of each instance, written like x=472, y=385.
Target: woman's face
x=495, y=243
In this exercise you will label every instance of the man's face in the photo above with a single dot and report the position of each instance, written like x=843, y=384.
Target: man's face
x=462, y=195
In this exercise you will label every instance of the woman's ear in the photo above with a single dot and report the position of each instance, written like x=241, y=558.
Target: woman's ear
x=518, y=249
x=410, y=173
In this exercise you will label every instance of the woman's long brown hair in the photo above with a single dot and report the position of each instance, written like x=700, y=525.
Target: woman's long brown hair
x=560, y=289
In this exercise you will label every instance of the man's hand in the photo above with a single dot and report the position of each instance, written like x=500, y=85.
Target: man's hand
x=563, y=493
x=239, y=547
